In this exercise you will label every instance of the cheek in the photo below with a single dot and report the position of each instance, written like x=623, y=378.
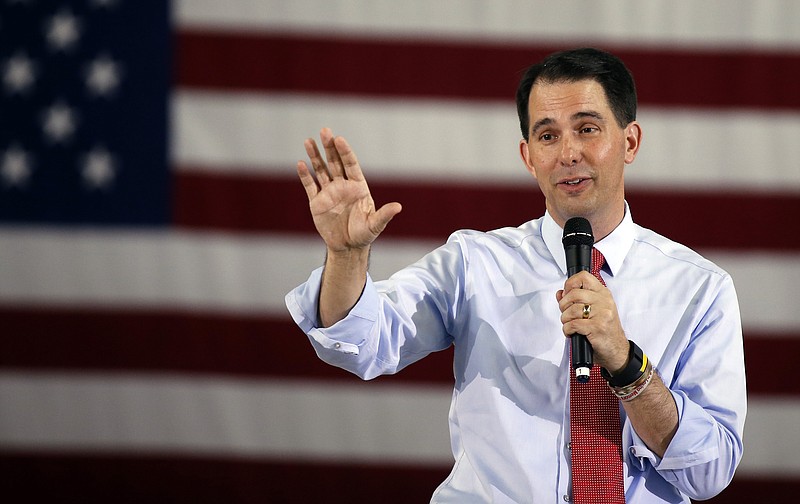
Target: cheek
x=603, y=150
x=541, y=169
x=535, y=162
x=541, y=161
x=609, y=154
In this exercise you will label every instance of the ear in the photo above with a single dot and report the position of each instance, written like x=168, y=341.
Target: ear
x=633, y=139
x=526, y=157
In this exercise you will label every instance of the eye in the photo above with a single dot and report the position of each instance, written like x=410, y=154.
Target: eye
x=547, y=137
x=589, y=129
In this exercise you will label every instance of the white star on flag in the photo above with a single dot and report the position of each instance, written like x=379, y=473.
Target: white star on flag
x=63, y=31
x=59, y=123
x=15, y=167
x=104, y=3
x=98, y=168
x=19, y=73
x=103, y=76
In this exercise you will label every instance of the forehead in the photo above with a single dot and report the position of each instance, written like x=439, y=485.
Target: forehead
x=556, y=100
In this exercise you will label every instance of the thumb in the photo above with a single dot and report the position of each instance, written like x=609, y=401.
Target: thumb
x=381, y=218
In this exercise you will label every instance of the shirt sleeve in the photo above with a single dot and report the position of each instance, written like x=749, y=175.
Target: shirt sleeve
x=394, y=323
x=710, y=393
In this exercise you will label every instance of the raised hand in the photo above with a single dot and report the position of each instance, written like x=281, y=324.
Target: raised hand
x=339, y=198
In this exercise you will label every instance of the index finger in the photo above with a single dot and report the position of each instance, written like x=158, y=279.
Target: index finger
x=309, y=184
x=582, y=280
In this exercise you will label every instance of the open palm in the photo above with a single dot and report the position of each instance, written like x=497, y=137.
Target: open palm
x=341, y=205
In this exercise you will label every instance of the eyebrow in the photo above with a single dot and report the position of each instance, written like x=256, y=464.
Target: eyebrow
x=578, y=115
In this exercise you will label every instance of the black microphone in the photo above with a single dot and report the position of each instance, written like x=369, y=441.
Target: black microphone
x=578, y=242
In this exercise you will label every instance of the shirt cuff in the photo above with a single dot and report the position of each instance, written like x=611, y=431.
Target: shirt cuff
x=303, y=305
x=686, y=448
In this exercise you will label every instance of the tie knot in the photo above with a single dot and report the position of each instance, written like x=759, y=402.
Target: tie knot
x=597, y=264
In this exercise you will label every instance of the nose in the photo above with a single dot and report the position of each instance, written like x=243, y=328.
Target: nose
x=570, y=151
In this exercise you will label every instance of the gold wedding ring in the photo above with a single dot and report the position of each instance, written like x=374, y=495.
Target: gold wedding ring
x=587, y=310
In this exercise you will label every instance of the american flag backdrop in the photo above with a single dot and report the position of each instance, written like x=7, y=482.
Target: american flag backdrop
x=151, y=222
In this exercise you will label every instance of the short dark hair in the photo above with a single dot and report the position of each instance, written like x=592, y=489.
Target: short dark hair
x=576, y=65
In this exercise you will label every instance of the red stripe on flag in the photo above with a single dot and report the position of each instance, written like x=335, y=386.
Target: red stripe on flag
x=122, y=479
x=355, y=66
x=140, y=341
x=735, y=220
x=135, y=479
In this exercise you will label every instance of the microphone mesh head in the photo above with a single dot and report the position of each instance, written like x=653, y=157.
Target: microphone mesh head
x=577, y=231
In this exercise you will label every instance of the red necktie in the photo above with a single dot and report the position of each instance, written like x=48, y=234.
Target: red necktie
x=596, y=434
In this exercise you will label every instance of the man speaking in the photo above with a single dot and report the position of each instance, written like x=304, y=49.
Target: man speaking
x=654, y=408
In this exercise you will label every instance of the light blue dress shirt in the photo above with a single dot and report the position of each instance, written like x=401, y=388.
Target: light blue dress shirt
x=492, y=296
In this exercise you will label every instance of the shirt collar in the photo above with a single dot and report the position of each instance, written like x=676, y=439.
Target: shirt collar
x=614, y=247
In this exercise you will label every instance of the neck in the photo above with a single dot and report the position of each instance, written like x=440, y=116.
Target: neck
x=603, y=224
x=604, y=227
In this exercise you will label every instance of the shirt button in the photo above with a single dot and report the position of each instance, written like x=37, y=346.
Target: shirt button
x=337, y=345
x=569, y=447
x=566, y=498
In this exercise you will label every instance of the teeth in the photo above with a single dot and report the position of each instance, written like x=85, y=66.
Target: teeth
x=573, y=182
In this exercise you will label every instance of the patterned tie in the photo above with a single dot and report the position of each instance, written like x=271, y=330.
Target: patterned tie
x=596, y=433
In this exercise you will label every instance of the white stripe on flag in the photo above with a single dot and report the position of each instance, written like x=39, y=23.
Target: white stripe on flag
x=470, y=142
x=303, y=420
x=667, y=22
x=251, y=274
x=271, y=418
x=770, y=438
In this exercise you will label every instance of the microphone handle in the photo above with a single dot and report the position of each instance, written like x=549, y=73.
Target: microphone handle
x=579, y=258
x=582, y=357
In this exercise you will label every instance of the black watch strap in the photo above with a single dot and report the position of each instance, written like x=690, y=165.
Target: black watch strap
x=637, y=362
